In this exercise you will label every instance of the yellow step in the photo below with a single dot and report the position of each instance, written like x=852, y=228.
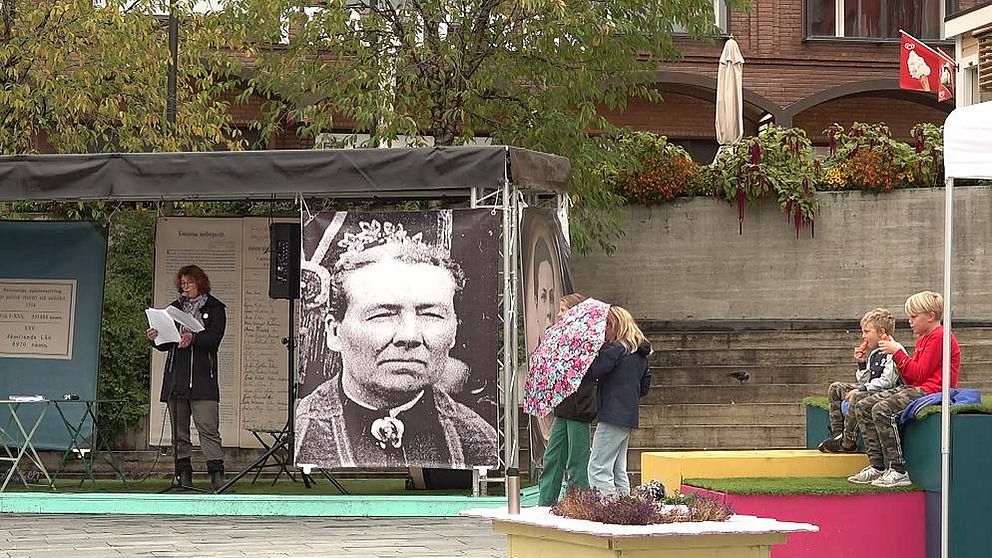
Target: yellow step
x=671, y=467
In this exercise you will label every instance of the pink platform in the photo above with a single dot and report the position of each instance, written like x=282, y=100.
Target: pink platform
x=856, y=526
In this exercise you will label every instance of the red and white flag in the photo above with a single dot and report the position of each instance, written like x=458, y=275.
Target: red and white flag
x=922, y=68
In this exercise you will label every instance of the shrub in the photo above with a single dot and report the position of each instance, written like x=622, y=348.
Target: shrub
x=638, y=508
x=867, y=157
x=777, y=163
x=656, y=170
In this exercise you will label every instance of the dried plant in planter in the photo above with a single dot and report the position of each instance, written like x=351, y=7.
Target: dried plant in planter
x=639, y=508
x=698, y=508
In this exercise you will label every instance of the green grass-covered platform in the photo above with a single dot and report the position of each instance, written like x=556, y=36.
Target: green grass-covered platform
x=793, y=486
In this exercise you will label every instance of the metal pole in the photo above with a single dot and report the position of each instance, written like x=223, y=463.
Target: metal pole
x=170, y=110
x=509, y=356
x=945, y=409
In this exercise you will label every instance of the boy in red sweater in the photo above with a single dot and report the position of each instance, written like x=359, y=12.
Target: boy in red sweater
x=922, y=374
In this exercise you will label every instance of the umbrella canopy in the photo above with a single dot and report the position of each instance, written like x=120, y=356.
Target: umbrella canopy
x=730, y=95
x=564, y=355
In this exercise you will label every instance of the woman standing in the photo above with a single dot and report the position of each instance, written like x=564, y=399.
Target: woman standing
x=189, y=385
x=568, y=443
x=624, y=377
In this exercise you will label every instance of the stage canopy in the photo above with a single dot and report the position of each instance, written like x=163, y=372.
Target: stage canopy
x=226, y=175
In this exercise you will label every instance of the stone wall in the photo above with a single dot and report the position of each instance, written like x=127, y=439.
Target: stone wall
x=686, y=260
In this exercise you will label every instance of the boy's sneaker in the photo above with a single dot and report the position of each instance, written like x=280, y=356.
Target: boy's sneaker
x=866, y=476
x=836, y=445
x=891, y=479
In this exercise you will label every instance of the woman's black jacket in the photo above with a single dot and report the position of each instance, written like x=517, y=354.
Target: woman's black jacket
x=191, y=372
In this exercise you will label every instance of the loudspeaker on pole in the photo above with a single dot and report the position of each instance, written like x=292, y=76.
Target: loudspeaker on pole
x=284, y=261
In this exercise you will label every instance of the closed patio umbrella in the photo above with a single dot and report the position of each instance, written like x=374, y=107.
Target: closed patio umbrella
x=730, y=95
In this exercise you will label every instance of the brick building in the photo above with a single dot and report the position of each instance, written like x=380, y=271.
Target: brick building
x=809, y=63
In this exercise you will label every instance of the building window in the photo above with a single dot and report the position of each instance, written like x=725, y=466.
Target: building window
x=721, y=18
x=874, y=19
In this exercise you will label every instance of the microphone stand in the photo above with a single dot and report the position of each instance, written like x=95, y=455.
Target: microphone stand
x=285, y=440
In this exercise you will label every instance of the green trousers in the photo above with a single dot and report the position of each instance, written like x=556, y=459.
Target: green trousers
x=568, y=450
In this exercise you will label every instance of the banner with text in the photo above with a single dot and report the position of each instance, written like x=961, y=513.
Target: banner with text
x=253, y=364
x=51, y=304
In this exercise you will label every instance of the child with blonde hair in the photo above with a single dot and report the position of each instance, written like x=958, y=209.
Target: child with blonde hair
x=624, y=377
x=876, y=373
x=877, y=414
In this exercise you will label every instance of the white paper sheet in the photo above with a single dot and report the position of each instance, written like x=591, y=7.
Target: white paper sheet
x=185, y=319
x=161, y=320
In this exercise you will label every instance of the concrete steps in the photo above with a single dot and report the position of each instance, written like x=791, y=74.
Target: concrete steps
x=695, y=403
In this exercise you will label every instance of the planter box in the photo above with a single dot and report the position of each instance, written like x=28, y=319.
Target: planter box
x=536, y=533
x=971, y=436
x=844, y=530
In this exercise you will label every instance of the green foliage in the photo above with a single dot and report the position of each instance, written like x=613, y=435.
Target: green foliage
x=655, y=171
x=533, y=73
x=124, y=351
x=867, y=157
x=776, y=163
x=81, y=77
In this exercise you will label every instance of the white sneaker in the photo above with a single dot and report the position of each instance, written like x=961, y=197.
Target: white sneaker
x=891, y=479
x=866, y=476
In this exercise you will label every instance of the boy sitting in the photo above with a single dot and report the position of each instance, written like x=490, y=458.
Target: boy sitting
x=876, y=373
x=923, y=373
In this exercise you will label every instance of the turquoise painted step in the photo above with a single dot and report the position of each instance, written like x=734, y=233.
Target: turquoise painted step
x=252, y=504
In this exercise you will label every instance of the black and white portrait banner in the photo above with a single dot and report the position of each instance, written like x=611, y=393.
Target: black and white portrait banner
x=398, y=340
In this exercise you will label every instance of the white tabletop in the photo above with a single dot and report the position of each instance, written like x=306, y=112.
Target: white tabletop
x=738, y=524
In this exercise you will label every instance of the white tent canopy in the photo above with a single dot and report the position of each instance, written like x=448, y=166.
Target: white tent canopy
x=968, y=142
x=967, y=154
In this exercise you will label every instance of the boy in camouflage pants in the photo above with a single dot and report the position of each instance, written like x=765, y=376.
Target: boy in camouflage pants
x=878, y=414
x=876, y=373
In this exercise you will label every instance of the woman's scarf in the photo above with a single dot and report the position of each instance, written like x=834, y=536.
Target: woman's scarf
x=194, y=307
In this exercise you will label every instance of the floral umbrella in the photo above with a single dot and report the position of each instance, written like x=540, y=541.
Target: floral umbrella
x=568, y=348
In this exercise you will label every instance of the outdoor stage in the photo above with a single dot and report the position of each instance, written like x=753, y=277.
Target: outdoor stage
x=355, y=505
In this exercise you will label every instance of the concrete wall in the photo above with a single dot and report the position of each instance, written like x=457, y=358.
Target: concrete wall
x=686, y=261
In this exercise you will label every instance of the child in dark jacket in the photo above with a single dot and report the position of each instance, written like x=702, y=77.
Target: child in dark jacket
x=876, y=373
x=624, y=377
x=568, y=444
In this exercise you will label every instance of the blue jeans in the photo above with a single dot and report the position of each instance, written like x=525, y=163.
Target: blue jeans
x=608, y=461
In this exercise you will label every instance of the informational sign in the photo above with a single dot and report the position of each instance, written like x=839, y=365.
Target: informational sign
x=37, y=318
x=52, y=275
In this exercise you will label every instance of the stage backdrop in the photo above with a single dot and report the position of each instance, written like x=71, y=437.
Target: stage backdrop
x=402, y=329
x=253, y=364
x=51, y=303
x=546, y=277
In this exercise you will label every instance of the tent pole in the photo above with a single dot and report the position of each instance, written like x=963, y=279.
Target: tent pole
x=509, y=346
x=945, y=414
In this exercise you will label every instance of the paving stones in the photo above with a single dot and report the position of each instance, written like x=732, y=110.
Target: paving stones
x=102, y=536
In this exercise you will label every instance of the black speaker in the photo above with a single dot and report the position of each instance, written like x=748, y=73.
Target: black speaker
x=284, y=261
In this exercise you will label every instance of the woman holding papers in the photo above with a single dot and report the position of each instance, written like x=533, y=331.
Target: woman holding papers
x=189, y=385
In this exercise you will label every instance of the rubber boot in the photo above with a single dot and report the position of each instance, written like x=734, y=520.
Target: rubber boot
x=216, y=469
x=184, y=470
